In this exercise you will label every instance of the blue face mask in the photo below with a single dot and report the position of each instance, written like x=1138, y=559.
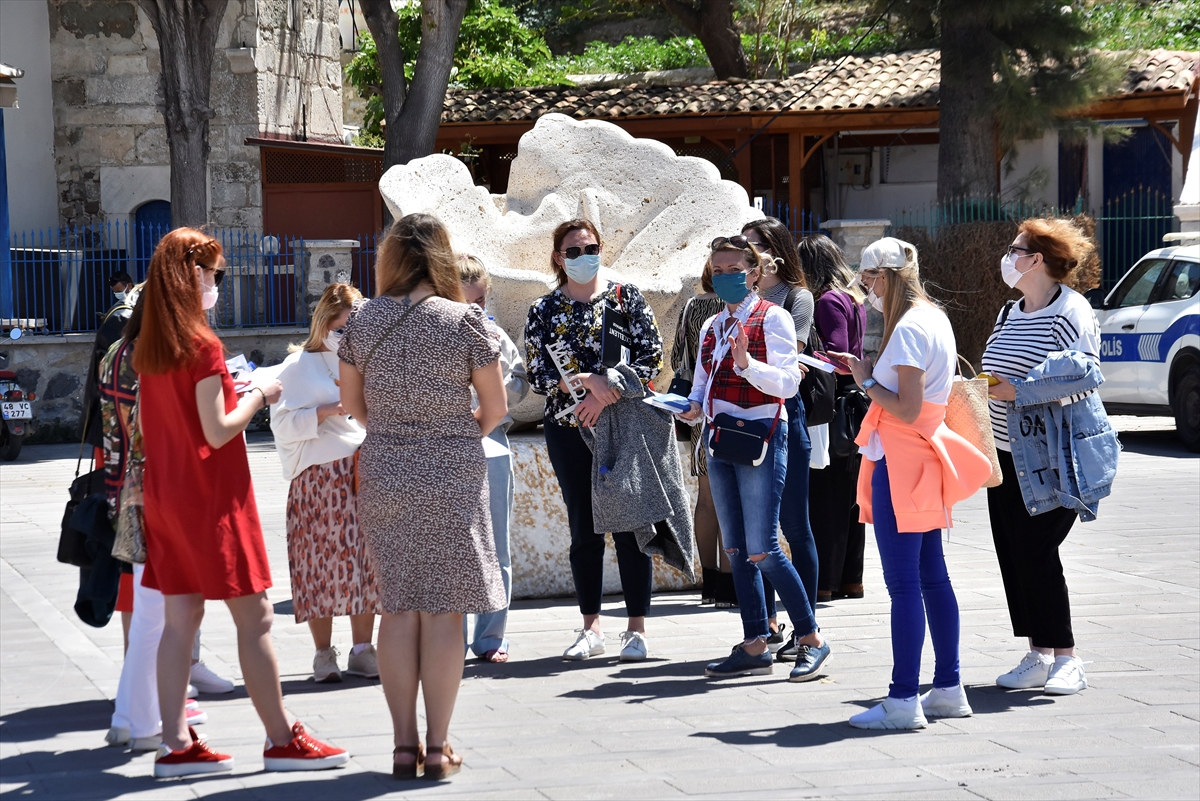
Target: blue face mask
x=730, y=287
x=582, y=269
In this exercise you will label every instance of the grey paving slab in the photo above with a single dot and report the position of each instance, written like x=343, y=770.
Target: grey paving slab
x=541, y=728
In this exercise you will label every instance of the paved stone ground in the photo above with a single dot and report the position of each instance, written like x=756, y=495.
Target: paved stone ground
x=541, y=728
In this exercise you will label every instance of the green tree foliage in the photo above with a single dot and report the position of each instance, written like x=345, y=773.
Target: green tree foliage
x=1138, y=25
x=636, y=54
x=494, y=50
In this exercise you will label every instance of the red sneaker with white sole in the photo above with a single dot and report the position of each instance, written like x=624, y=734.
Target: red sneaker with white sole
x=304, y=752
x=195, y=759
x=195, y=715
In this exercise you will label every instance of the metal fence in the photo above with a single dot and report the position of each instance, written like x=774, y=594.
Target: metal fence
x=363, y=274
x=800, y=222
x=1126, y=228
x=59, y=277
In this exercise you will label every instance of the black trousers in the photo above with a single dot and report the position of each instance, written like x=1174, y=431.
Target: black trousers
x=1027, y=549
x=833, y=514
x=572, y=461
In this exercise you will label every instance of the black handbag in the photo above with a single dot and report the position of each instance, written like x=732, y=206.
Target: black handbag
x=737, y=441
x=848, y=412
x=817, y=388
x=72, y=543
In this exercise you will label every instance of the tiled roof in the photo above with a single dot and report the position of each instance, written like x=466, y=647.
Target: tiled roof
x=892, y=81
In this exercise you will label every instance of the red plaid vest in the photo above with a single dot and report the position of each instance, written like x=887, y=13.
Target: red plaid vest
x=727, y=385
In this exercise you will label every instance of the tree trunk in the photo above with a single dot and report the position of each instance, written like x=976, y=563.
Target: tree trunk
x=187, y=37
x=385, y=26
x=712, y=24
x=966, y=119
x=441, y=21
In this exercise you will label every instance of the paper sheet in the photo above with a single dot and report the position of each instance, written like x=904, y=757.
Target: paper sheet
x=813, y=361
x=492, y=449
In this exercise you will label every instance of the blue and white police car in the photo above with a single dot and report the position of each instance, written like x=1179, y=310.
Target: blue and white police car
x=1150, y=340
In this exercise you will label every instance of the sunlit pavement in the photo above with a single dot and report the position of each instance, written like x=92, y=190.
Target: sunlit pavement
x=540, y=727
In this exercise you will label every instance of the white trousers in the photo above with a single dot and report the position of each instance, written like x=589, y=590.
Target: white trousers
x=137, y=694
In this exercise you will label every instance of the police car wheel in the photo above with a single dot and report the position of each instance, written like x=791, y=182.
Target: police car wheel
x=1187, y=408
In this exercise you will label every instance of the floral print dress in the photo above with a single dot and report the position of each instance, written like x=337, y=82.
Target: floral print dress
x=556, y=317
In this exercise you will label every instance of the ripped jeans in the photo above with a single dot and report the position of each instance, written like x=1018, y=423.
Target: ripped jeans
x=747, y=500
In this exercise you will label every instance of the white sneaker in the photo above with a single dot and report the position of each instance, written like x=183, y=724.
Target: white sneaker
x=633, y=647
x=588, y=644
x=208, y=682
x=1030, y=674
x=946, y=702
x=141, y=744
x=325, y=666
x=118, y=736
x=364, y=663
x=192, y=692
x=1066, y=676
x=893, y=713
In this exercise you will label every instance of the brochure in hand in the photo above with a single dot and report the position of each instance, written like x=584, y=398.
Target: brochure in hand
x=675, y=404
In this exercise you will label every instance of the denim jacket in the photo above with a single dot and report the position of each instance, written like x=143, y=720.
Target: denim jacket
x=1064, y=455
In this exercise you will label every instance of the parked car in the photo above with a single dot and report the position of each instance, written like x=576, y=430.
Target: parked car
x=1150, y=340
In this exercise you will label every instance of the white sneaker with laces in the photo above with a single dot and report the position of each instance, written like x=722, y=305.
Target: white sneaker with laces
x=946, y=702
x=893, y=713
x=588, y=644
x=633, y=647
x=1066, y=676
x=325, y=666
x=206, y=681
x=1030, y=674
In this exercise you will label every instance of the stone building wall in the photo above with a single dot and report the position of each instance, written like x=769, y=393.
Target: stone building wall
x=276, y=72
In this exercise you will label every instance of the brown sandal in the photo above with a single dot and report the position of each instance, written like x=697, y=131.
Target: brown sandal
x=407, y=771
x=451, y=763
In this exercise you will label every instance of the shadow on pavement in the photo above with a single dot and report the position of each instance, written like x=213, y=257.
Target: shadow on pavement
x=45, y=722
x=664, y=680
x=1155, y=443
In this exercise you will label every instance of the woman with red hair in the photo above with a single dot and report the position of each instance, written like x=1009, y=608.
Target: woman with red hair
x=203, y=537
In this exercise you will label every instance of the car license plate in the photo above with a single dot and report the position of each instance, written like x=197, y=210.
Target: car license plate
x=19, y=410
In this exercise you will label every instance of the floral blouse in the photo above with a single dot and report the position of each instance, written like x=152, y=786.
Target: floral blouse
x=118, y=395
x=556, y=317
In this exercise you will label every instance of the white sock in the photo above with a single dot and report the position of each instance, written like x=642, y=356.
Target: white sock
x=359, y=648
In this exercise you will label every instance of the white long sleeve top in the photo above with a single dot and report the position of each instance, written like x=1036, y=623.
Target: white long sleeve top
x=308, y=382
x=779, y=375
x=512, y=366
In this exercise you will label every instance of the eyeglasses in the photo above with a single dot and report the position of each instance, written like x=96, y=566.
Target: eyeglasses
x=576, y=252
x=1013, y=249
x=218, y=275
x=740, y=242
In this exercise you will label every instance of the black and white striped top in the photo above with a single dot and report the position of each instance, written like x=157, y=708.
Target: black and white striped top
x=1025, y=340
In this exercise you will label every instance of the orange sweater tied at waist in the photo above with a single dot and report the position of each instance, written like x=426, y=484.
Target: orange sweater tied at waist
x=930, y=468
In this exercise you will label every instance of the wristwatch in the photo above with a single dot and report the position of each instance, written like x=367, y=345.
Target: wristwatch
x=870, y=382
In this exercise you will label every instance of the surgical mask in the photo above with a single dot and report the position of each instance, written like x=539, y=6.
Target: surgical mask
x=730, y=287
x=332, y=340
x=208, y=295
x=582, y=269
x=875, y=301
x=1008, y=270
x=120, y=296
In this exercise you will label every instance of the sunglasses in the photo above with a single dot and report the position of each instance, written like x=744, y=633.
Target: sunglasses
x=740, y=242
x=1012, y=249
x=576, y=252
x=218, y=275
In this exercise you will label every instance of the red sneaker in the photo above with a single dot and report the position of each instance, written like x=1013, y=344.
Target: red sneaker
x=195, y=759
x=304, y=752
x=195, y=715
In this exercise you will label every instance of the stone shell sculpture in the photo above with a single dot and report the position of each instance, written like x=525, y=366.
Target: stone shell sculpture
x=657, y=213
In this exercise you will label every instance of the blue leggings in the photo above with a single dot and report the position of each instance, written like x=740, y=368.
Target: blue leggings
x=914, y=570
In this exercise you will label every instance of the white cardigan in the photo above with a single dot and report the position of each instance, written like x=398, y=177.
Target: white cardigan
x=308, y=382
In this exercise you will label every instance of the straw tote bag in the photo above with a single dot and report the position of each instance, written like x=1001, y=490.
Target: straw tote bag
x=967, y=416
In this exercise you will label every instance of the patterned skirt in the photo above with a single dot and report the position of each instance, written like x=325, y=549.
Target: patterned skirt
x=328, y=555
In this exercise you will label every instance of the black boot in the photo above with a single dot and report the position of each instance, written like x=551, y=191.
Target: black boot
x=708, y=586
x=726, y=594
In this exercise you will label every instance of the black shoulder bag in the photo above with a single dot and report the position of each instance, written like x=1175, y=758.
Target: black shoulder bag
x=681, y=383
x=817, y=388
x=72, y=542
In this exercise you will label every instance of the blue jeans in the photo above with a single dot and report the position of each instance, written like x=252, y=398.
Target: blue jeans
x=793, y=513
x=490, y=627
x=914, y=571
x=747, y=501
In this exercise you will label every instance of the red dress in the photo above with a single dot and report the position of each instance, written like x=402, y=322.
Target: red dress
x=202, y=529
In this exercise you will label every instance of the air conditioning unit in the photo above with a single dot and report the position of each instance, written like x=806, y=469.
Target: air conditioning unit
x=854, y=169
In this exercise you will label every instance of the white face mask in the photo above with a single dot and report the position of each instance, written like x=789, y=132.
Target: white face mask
x=875, y=301
x=208, y=295
x=1008, y=270
x=120, y=296
x=332, y=341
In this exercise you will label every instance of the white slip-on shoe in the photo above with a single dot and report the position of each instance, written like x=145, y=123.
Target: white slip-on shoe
x=633, y=647
x=1066, y=676
x=325, y=666
x=192, y=692
x=118, y=736
x=141, y=744
x=946, y=702
x=893, y=713
x=1031, y=674
x=587, y=644
x=206, y=681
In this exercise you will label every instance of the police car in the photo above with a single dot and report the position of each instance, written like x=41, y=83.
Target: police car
x=1150, y=340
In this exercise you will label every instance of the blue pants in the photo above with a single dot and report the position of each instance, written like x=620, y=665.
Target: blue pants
x=747, y=502
x=793, y=513
x=490, y=627
x=914, y=570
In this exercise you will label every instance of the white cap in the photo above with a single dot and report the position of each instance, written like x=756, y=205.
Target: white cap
x=887, y=253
